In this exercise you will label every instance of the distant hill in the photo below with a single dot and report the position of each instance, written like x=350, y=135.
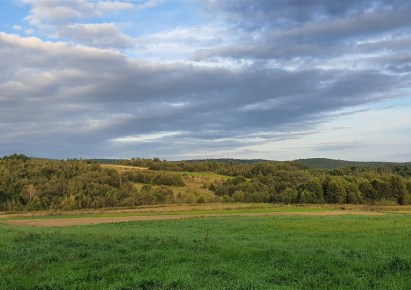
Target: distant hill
x=219, y=160
x=228, y=160
x=325, y=163
x=106, y=161
x=316, y=163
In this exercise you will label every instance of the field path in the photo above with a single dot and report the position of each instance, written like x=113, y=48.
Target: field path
x=64, y=222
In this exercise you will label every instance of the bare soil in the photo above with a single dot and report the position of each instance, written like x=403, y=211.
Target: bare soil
x=142, y=209
x=63, y=222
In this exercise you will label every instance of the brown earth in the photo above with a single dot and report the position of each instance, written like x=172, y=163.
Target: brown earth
x=63, y=222
x=201, y=207
x=143, y=209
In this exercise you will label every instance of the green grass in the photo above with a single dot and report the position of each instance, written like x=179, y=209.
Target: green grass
x=194, y=181
x=281, y=252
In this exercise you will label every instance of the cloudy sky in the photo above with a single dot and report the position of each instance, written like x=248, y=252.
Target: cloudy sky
x=272, y=79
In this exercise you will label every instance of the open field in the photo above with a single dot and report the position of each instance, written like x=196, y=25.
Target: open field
x=195, y=182
x=209, y=176
x=167, y=212
x=122, y=167
x=153, y=209
x=74, y=221
x=305, y=250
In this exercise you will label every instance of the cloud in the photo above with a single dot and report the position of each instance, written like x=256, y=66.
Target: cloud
x=148, y=4
x=339, y=146
x=110, y=6
x=61, y=19
x=288, y=13
x=103, y=35
x=204, y=34
x=61, y=11
x=179, y=42
x=154, y=137
x=306, y=29
x=248, y=76
x=75, y=95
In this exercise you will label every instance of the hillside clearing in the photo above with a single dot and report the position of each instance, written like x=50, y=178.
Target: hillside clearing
x=122, y=167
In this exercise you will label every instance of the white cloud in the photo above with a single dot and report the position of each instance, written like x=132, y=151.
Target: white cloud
x=61, y=11
x=148, y=4
x=146, y=137
x=59, y=19
x=181, y=42
x=46, y=11
x=103, y=35
x=114, y=6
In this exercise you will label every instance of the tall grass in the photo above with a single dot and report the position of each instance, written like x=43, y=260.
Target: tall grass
x=285, y=252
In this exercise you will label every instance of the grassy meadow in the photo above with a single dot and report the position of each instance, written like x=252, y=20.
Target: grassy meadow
x=237, y=252
x=195, y=183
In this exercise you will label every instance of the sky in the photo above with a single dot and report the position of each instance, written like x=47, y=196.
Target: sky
x=174, y=79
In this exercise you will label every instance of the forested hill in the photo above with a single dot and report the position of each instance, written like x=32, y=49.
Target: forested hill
x=315, y=163
x=319, y=163
x=42, y=184
x=325, y=163
x=229, y=160
x=219, y=160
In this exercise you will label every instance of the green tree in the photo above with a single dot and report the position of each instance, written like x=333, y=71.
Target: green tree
x=399, y=189
x=312, y=191
x=335, y=191
x=289, y=196
x=368, y=191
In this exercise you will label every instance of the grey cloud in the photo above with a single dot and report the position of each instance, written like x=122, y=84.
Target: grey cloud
x=368, y=23
x=397, y=63
x=403, y=156
x=330, y=28
x=83, y=98
x=69, y=100
x=254, y=14
x=340, y=146
x=402, y=43
x=284, y=13
x=206, y=144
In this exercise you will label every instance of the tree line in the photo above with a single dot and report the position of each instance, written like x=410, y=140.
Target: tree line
x=295, y=182
x=41, y=184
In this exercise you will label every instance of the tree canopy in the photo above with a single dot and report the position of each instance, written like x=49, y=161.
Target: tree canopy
x=42, y=184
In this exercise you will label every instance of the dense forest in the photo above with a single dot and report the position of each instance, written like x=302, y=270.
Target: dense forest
x=42, y=184
x=325, y=163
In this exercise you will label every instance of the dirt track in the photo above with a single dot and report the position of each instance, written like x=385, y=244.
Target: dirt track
x=64, y=222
